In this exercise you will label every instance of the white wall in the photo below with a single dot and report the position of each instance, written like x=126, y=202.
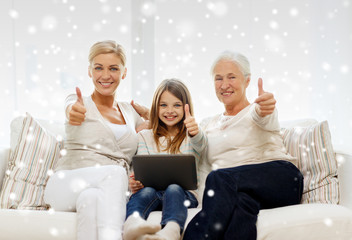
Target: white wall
x=44, y=46
x=302, y=50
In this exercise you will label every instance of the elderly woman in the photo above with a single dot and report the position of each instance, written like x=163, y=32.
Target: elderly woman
x=101, y=140
x=251, y=168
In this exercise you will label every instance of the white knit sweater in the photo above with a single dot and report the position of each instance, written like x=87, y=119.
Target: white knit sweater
x=93, y=143
x=244, y=139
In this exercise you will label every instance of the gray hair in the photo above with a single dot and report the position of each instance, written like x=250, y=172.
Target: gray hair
x=237, y=58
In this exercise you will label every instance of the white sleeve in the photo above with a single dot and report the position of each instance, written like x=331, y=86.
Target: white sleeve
x=269, y=122
x=199, y=142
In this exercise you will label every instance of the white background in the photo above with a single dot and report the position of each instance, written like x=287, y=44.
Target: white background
x=301, y=49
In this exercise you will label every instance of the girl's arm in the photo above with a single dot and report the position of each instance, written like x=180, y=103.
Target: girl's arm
x=142, y=143
x=198, y=139
x=199, y=142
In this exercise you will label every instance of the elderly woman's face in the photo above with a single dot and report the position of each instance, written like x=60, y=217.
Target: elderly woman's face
x=230, y=84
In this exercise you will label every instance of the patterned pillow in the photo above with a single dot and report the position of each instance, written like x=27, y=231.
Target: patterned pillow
x=316, y=160
x=30, y=164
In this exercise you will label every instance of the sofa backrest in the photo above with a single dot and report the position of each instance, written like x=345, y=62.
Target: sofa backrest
x=58, y=129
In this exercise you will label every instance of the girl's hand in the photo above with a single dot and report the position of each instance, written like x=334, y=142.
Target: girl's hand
x=134, y=185
x=190, y=123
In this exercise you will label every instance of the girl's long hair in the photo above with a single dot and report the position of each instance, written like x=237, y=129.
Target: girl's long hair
x=179, y=90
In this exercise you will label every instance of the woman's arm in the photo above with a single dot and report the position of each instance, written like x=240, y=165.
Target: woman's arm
x=141, y=110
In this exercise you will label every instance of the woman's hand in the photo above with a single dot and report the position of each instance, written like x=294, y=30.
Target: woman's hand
x=265, y=101
x=141, y=110
x=190, y=122
x=143, y=125
x=134, y=185
x=77, y=112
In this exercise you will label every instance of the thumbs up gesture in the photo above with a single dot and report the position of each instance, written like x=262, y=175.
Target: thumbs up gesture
x=77, y=112
x=265, y=101
x=190, y=122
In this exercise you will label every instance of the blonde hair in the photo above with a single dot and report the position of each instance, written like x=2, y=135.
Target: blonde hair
x=179, y=90
x=107, y=46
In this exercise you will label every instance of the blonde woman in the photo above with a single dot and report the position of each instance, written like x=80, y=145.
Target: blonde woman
x=173, y=130
x=92, y=178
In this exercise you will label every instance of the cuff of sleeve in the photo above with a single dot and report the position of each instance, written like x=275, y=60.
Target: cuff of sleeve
x=197, y=138
x=261, y=121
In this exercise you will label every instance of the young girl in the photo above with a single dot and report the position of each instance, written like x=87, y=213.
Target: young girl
x=173, y=130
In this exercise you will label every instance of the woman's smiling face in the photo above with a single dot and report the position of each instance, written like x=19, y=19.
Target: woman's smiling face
x=106, y=72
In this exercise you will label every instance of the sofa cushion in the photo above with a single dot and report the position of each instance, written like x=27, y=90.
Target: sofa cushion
x=303, y=221
x=29, y=166
x=37, y=225
x=312, y=146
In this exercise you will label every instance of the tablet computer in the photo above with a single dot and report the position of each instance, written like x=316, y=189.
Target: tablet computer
x=161, y=170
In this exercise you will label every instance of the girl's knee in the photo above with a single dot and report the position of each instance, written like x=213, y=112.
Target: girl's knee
x=146, y=192
x=174, y=188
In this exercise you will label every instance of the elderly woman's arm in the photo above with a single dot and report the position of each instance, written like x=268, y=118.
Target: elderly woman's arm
x=265, y=113
x=269, y=122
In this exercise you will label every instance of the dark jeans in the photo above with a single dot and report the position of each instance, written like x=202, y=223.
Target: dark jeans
x=233, y=197
x=171, y=201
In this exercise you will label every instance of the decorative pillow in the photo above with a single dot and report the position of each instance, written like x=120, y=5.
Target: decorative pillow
x=316, y=160
x=29, y=167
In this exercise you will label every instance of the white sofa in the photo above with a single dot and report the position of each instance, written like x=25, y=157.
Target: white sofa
x=304, y=221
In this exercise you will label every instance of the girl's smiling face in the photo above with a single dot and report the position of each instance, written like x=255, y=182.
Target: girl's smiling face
x=170, y=111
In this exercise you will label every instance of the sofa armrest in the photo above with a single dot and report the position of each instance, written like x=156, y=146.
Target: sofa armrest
x=4, y=157
x=345, y=178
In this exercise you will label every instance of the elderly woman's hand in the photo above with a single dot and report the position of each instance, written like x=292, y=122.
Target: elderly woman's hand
x=265, y=101
x=134, y=185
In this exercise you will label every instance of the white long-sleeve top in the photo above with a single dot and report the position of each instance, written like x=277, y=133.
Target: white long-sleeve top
x=94, y=143
x=244, y=139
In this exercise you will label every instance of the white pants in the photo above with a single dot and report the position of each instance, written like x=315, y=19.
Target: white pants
x=98, y=194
